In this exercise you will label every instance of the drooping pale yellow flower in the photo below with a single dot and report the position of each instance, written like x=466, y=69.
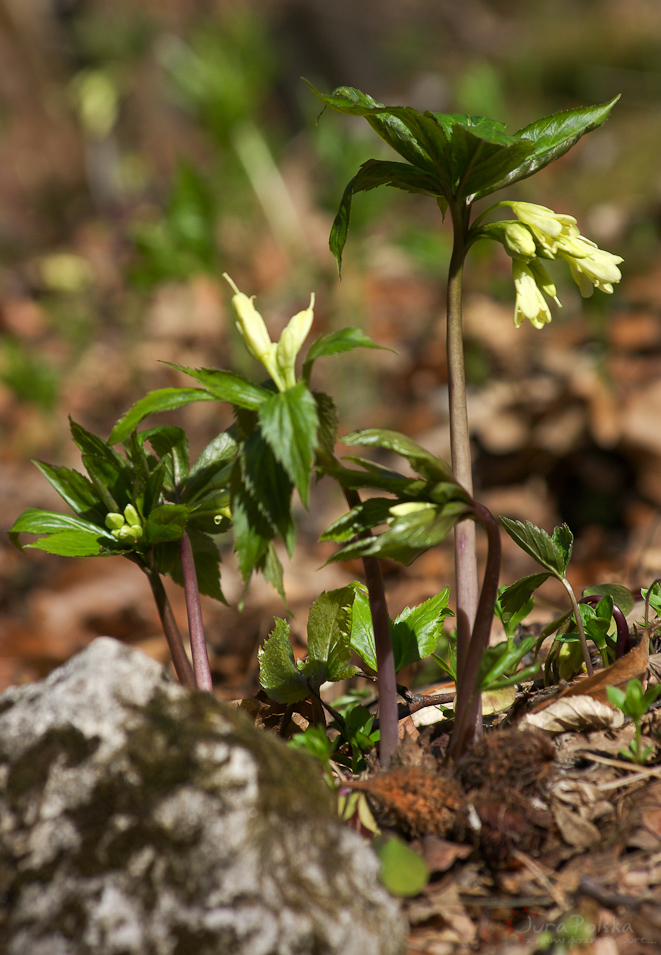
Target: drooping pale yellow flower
x=546, y=225
x=530, y=302
x=593, y=268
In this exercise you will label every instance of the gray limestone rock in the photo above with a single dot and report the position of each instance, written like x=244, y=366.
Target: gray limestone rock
x=138, y=818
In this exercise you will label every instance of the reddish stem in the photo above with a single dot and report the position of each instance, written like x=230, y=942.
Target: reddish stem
x=198, y=644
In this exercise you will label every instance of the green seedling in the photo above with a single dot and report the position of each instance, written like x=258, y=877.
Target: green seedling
x=553, y=552
x=634, y=703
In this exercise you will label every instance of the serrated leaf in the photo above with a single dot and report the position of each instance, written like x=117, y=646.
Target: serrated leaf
x=374, y=173
x=376, y=476
x=172, y=442
x=166, y=523
x=289, y=422
x=337, y=343
x=514, y=601
x=219, y=452
x=74, y=488
x=327, y=414
x=414, y=633
x=433, y=468
x=482, y=156
x=365, y=516
x=539, y=545
x=163, y=399
x=71, y=543
x=265, y=481
x=329, y=635
x=227, y=386
x=416, y=630
x=362, y=628
x=552, y=137
x=278, y=673
x=409, y=535
x=112, y=481
x=36, y=521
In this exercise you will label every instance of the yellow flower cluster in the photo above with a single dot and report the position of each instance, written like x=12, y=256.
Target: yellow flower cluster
x=540, y=233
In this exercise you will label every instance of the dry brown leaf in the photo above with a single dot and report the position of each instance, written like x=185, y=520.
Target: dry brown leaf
x=631, y=666
x=576, y=831
x=579, y=714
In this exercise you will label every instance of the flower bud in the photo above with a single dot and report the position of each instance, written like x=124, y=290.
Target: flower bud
x=132, y=516
x=409, y=507
x=129, y=534
x=530, y=303
x=114, y=521
x=250, y=323
x=291, y=341
x=518, y=240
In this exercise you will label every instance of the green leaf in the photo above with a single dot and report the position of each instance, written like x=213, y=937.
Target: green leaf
x=327, y=414
x=337, y=343
x=616, y=696
x=362, y=628
x=483, y=155
x=227, y=386
x=596, y=620
x=416, y=630
x=113, y=481
x=77, y=490
x=166, y=523
x=374, y=173
x=265, y=480
x=278, y=673
x=622, y=596
x=71, y=543
x=409, y=535
x=329, y=633
x=564, y=541
x=414, y=633
x=36, y=521
x=503, y=660
x=164, y=399
x=363, y=517
x=433, y=468
x=376, y=476
x=219, y=452
x=654, y=599
x=552, y=137
x=289, y=423
x=403, y=871
x=550, y=552
x=170, y=441
x=515, y=602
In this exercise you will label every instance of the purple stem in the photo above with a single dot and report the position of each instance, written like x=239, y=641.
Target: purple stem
x=385, y=661
x=180, y=661
x=464, y=724
x=198, y=644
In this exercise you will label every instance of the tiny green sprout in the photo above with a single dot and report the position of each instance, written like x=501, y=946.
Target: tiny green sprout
x=634, y=703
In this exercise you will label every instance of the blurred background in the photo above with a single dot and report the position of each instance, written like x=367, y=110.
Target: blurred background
x=147, y=146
